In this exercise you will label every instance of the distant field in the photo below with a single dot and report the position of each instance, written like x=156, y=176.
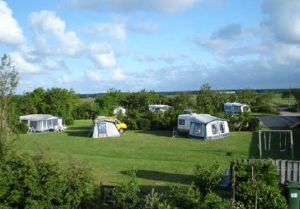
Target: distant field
x=158, y=159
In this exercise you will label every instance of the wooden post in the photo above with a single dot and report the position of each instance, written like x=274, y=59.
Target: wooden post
x=259, y=138
x=292, y=145
x=101, y=191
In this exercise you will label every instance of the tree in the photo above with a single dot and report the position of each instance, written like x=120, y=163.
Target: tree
x=257, y=185
x=183, y=101
x=206, y=99
x=34, y=102
x=8, y=84
x=208, y=177
x=107, y=102
x=55, y=101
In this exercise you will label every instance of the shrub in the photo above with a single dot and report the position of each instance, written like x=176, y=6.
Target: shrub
x=180, y=196
x=213, y=201
x=39, y=182
x=152, y=200
x=126, y=195
x=257, y=183
x=69, y=121
x=21, y=128
x=208, y=177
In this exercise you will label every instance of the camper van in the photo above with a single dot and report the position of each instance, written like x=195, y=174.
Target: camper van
x=159, y=108
x=235, y=108
x=183, y=123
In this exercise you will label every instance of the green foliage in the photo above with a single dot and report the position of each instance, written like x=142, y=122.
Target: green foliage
x=243, y=122
x=38, y=182
x=184, y=197
x=257, y=184
x=152, y=200
x=258, y=193
x=21, y=128
x=69, y=121
x=78, y=185
x=126, y=196
x=8, y=83
x=55, y=101
x=253, y=124
x=208, y=176
x=213, y=201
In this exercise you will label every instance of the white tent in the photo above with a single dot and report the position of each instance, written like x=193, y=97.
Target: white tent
x=41, y=122
x=103, y=129
x=205, y=126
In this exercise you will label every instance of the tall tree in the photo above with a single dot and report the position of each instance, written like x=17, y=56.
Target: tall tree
x=8, y=84
x=206, y=99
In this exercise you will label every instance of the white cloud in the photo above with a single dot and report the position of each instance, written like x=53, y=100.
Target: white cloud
x=50, y=35
x=22, y=65
x=104, y=60
x=10, y=33
x=65, y=79
x=100, y=47
x=93, y=75
x=112, y=30
x=167, y=57
x=223, y=38
x=166, y=6
x=55, y=64
x=118, y=75
x=283, y=19
x=172, y=6
x=146, y=27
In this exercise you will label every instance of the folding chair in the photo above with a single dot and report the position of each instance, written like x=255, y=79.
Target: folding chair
x=175, y=132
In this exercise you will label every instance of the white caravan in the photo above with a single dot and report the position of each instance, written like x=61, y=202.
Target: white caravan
x=184, y=122
x=235, y=108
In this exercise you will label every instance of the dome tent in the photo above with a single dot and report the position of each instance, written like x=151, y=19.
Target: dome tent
x=102, y=129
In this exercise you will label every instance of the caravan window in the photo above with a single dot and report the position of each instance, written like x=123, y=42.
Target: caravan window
x=181, y=122
x=214, y=128
x=222, y=128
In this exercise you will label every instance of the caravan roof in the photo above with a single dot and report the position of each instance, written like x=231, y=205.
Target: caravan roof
x=204, y=118
x=38, y=117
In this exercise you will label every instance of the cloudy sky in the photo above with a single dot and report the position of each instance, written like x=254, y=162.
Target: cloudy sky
x=92, y=46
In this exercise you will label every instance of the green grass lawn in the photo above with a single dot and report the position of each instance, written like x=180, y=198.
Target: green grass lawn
x=158, y=158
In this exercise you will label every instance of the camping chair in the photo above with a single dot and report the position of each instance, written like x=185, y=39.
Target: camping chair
x=56, y=128
x=175, y=132
x=63, y=128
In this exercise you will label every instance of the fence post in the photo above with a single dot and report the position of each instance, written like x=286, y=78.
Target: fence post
x=101, y=191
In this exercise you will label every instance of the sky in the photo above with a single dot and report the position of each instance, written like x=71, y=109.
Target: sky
x=93, y=46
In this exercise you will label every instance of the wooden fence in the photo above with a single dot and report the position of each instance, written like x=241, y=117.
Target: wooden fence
x=288, y=170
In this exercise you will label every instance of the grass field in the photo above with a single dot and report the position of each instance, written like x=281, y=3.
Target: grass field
x=158, y=158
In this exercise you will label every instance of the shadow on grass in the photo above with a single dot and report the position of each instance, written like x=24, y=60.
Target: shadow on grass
x=275, y=146
x=163, y=176
x=79, y=131
x=164, y=133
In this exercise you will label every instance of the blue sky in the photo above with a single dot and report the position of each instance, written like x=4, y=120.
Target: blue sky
x=92, y=46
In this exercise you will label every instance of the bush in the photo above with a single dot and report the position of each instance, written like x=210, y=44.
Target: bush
x=213, y=201
x=126, y=195
x=208, y=177
x=257, y=183
x=38, y=182
x=21, y=128
x=69, y=121
x=183, y=197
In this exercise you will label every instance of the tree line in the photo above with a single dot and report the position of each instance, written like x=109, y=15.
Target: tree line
x=69, y=105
